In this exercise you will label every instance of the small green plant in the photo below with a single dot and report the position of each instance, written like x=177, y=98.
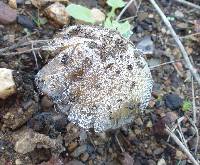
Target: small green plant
x=187, y=105
x=39, y=21
x=114, y=4
x=80, y=12
x=85, y=15
x=124, y=28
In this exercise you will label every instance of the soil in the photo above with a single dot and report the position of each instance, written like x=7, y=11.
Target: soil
x=27, y=115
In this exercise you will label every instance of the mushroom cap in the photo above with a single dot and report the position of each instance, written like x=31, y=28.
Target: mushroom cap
x=98, y=78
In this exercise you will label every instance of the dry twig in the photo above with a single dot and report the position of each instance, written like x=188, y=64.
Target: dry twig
x=34, y=54
x=193, y=103
x=197, y=134
x=181, y=145
x=177, y=40
x=165, y=63
x=25, y=51
x=132, y=17
x=121, y=148
x=124, y=9
x=188, y=4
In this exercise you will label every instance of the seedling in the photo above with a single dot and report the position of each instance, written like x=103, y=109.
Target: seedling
x=85, y=15
x=187, y=105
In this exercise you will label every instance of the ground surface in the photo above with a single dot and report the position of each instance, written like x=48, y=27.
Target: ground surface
x=143, y=142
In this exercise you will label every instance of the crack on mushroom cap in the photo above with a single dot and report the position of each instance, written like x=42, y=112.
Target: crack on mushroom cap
x=99, y=79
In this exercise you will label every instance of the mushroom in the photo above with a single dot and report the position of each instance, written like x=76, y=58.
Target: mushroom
x=98, y=78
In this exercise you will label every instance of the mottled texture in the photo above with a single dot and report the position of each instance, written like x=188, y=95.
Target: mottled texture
x=99, y=79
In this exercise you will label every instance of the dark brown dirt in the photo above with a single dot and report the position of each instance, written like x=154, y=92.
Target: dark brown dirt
x=144, y=140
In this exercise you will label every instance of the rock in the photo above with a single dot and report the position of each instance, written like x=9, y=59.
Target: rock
x=17, y=117
x=74, y=162
x=102, y=95
x=139, y=121
x=151, y=162
x=57, y=13
x=5, y=146
x=79, y=150
x=146, y=45
x=46, y=102
x=7, y=84
x=161, y=162
x=83, y=136
x=48, y=123
x=178, y=14
x=98, y=15
x=29, y=141
x=18, y=162
x=40, y=155
x=10, y=38
x=173, y=101
x=182, y=25
x=127, y=159
x=84, y=157
x=158, y=151
x=39, y=3
x=149, y=124
x=25, y=22
x=72, y=146
x=7, y=14
x=171, y=117
x=13, y=4
x=20, y=2
x=180, y=155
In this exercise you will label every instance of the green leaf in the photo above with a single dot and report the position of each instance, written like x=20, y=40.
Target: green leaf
x=187, y=105
x=80, y=12
x=124, y=28
x=116, y=3
x=108, y=23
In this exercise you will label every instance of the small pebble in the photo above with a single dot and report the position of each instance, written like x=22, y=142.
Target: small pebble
x=161, y=162
x=84, y=157
x=146, y=45
x=137, y=131
x=173, y=101
x=98, y=15
x=7, y=84
x=13, y=4
x=158, y=151
x=72, y=146
x=18, y=162
x=46, y=102
x=180, y=155
x=178, y=14
x=151, y=162
x=149, y=124
x=7, y=14
x=79, y=150
x=25, y=22
x=74, y=162
x=20, y=2
x=58, y=14
x=139, y=121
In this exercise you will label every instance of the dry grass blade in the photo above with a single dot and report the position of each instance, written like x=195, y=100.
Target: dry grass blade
x=188, y=4
x=181, y=145
x=177, y=40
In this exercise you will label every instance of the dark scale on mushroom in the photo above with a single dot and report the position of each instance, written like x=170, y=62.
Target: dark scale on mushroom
x=99, y=79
